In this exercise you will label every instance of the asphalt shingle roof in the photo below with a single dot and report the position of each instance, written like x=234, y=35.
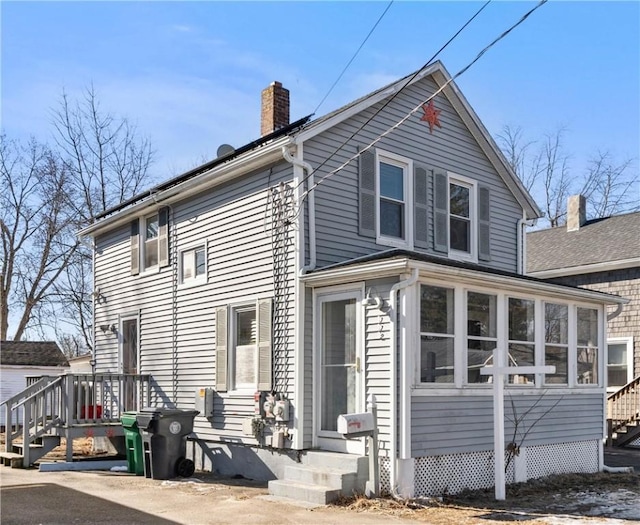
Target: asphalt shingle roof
x=40, y=353
x=611, y=239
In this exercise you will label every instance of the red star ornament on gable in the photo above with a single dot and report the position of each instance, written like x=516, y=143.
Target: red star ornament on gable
x=431, y=115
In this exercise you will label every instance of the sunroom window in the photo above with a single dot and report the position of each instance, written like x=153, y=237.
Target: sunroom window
x=521, y=338
x=587, y=351
x=436, y=334
x=481, y=334
x=556, y=349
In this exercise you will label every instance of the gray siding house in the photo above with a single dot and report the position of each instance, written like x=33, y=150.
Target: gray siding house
x=373, y=253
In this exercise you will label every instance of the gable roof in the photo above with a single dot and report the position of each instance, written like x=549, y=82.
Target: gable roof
x=32, y=353
x=449, y=89
x=599, y=245
x=220, y=169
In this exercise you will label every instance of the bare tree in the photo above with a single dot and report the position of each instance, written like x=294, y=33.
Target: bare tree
x=544, y=169
x=37, y=230
x=107, y=163
x=47, y=197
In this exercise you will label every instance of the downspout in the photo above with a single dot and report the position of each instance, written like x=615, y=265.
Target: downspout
x=298, y=422
x=393, y=317
x=616, y=312
x=312, y=209
x=521, y=243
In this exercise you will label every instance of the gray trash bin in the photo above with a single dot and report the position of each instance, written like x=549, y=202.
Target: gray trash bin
x=164, y=434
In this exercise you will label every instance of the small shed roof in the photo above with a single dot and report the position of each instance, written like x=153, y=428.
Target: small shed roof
x=32, y=353
x=599, y=241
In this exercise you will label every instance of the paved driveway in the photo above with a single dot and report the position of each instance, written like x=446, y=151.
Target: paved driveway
x=33, y=497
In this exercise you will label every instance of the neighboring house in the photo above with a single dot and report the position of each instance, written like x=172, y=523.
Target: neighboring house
x=280, y=286
x=22, y=359
x=81, y=364
x=602, y=255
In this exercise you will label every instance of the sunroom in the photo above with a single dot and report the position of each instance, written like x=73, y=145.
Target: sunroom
x=421, y=330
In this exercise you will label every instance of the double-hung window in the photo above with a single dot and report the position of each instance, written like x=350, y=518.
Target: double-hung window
x=150, y=247
x=620, y=362
x=462, y=218
x=243, y=347
x=244, y=366
x=150, y=242
x=436, y=334
x=393, y=200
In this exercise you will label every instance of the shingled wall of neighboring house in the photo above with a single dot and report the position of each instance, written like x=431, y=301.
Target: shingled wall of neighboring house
x=625, y=283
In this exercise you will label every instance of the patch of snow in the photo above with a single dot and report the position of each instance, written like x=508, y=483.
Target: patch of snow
x=119, y=469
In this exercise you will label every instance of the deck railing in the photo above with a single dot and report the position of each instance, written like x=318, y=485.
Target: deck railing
x=623, y=407
x=72, y=400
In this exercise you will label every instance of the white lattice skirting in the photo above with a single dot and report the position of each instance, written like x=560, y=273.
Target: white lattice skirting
x=452, y=473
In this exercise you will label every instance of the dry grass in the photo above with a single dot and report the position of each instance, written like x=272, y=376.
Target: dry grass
x=535, y=499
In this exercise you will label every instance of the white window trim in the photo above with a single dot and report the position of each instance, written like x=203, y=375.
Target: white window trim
x=461, y=387
x=143, y=244
x=407, y=165
x=628, y=341
x=197, y=280
x=231, y=350
x=460, y=180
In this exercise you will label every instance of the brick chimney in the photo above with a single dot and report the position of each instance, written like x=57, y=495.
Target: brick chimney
x=576, y=212
x=275, y=108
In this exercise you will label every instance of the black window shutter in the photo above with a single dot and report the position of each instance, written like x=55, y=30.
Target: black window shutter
x=163, y=237
x=420, y=207
x=440, y=212
x=367, y=194
x=484, y=224
x=135, y=247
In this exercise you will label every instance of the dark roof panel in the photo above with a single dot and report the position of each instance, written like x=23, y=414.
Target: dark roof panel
x=28, y=353
x=611, y=239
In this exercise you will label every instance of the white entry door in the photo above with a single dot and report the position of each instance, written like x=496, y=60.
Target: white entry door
x=338, y=370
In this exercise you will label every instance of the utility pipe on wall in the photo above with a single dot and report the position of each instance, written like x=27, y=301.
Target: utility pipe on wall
x=312, y=208
x=393, y=317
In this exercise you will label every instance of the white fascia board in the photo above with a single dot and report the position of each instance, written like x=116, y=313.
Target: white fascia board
x=250, y=161
x=370, y=270
x=587, y=268
x=366, y=103
x=377, y=269
x=486, y=142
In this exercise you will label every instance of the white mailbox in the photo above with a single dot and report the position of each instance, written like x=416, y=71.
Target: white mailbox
x=354, y=425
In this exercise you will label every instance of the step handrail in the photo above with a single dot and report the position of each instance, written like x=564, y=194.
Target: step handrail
x=623, y=406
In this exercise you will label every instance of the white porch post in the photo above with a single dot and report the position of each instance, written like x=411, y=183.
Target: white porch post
x=499, y=374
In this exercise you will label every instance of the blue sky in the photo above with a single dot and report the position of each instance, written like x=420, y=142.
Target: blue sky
x=190, y=73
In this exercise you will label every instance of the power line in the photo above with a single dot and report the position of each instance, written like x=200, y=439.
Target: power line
x=353, y=57
x=409, y=80
x=406, y=117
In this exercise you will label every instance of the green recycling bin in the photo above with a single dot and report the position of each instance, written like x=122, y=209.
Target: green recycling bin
x=133, y=442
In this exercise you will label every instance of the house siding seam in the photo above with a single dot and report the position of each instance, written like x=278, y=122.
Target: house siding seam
x=233, y=220
x=450, y=148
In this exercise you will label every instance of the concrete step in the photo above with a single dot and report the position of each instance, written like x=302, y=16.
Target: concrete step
x=11, y=459
x=336, y=460
x=343, y=480
x=303, y=491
